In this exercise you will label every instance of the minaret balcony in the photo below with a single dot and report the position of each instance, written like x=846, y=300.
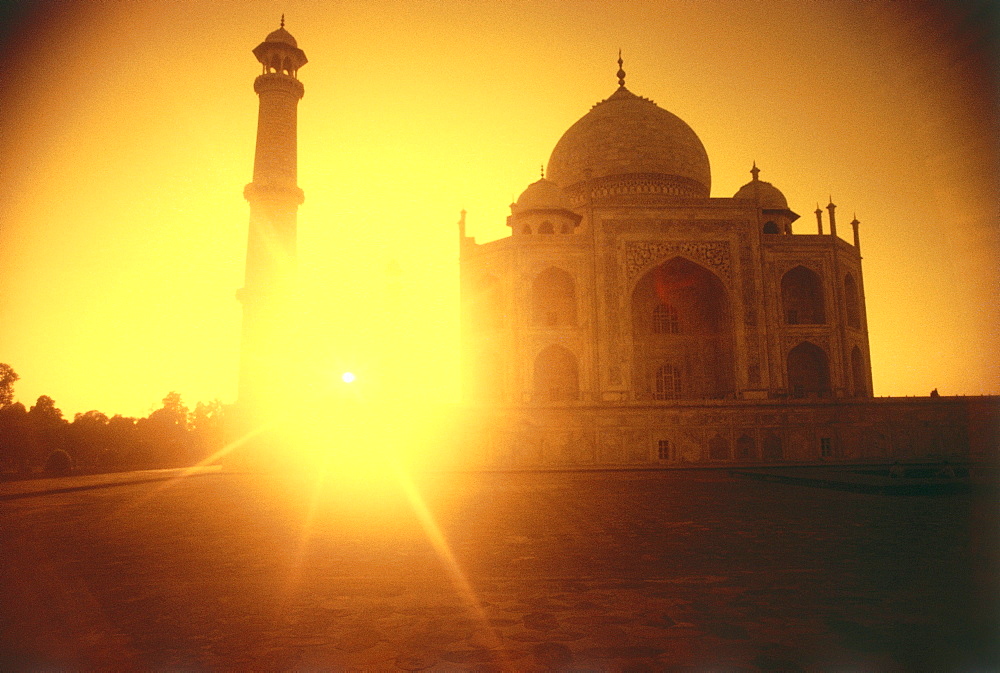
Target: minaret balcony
x=273, y=82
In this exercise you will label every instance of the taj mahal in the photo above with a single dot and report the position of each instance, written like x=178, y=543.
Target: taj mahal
x=630, y=318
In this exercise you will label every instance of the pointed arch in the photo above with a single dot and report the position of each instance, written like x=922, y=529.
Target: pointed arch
x=851, y=302
x=771, y=227
x=681, y=316
x=556, y=375
x=802, y=297
x=553, y=299
x=808, y=371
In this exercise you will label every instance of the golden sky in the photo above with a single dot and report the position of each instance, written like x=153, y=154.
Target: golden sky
x=128, y=136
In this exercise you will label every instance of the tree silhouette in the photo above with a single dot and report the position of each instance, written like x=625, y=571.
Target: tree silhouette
x=47, y=427
x=41, y=440
x=7, y=378
x=88, y=437
x=207, y=432
x=163, y=436
x=15, y=439
x=122, y=449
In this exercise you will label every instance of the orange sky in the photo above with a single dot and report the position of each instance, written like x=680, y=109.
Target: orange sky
x=129, y=128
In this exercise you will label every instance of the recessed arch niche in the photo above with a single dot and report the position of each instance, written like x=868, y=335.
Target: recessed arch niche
x=808, y=371
x=699, y=343
x=802, y=297
x=556, y=375
x=553, y=299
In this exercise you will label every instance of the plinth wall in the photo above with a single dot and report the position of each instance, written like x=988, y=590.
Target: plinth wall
x=720, y=433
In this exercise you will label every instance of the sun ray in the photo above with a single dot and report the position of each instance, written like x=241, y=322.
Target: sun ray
x=295, y=570
x=441, y=547
x=196, y=468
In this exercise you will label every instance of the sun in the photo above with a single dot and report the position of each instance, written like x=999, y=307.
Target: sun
x=347, y=377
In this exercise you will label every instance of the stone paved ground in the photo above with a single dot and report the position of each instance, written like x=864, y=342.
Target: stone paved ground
x=603, y=571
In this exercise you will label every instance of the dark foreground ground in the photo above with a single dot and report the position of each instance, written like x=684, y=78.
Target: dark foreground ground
x=638, y=571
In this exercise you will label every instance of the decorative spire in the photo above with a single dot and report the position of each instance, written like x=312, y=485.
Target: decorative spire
x=754, y=171
x=621, y=73
x=543, y=171
x=282, y=21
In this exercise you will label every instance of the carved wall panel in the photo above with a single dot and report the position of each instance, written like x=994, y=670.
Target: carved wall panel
x=640, y=256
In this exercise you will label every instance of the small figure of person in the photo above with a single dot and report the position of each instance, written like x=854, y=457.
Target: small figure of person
x=935, y=393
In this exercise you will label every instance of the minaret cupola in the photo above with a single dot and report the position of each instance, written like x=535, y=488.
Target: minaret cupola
x=279, y=53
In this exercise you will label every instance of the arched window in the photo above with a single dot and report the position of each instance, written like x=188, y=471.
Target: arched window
x=771, y=228
x=566, y=228
x=526, y=229
x=851, y=302
x=744, y=447
x=553, y=299
x=718, y=448
x=802, y=297
x=665, y=320
x=546, y=228
x=667, y=384
x=808, y=371
x=858, y=373
x=556, y=376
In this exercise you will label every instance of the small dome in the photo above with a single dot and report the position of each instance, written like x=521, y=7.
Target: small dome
x=769, y=196
x=630, y=135
x=543, y=195
x=281, y=35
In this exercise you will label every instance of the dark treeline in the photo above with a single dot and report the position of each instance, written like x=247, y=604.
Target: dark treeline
x=38, y=440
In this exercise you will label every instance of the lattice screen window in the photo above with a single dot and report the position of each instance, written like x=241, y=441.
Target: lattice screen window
x=665, y=320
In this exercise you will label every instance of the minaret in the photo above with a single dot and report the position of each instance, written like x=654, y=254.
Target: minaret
x=274, y=199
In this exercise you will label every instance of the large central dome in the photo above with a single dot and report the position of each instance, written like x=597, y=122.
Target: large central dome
x=627, y=135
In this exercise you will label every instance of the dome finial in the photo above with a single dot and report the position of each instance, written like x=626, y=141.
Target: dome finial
x=282, y=21
x=754, y=171
x=621, y=73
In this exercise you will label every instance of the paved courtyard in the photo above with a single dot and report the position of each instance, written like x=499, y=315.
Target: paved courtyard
x=600, y=571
